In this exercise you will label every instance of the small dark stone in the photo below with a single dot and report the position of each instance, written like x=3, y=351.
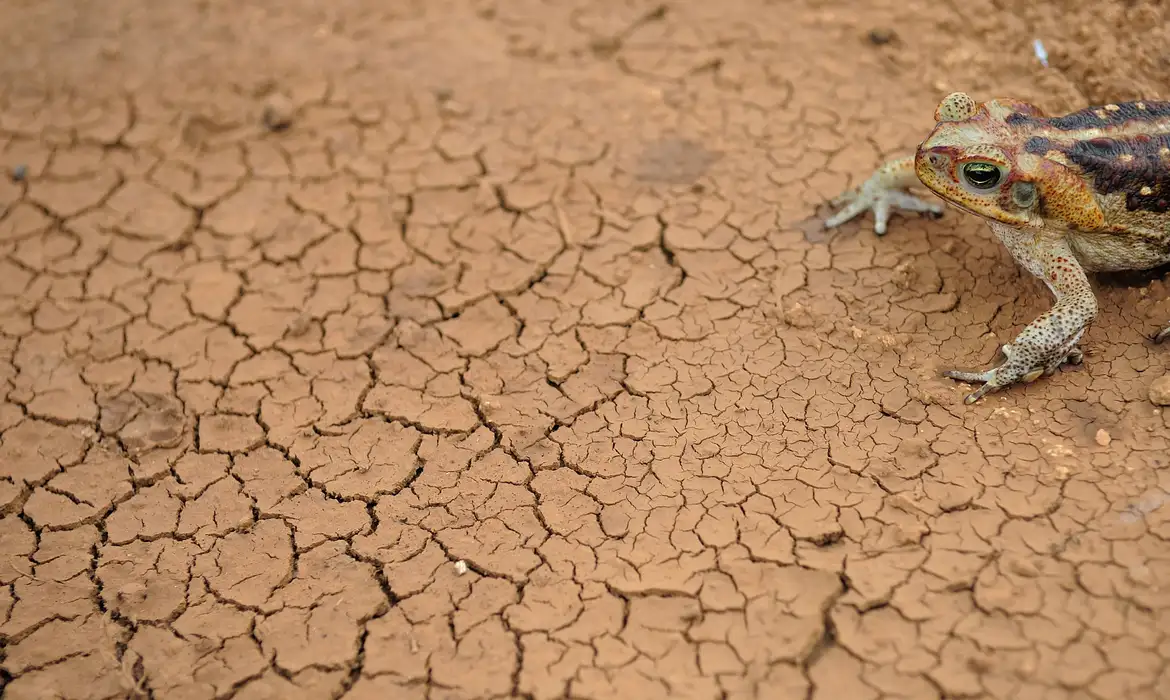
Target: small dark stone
x=278, y=113
x=19, y=173
x=881, y=36
x=605, y=47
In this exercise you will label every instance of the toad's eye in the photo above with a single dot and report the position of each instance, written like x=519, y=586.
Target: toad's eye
x=982, y=176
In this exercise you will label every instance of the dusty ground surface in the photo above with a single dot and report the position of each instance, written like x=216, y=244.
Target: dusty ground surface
x=517, y=366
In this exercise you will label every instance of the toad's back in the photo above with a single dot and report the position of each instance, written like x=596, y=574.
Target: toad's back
x=1121, y=149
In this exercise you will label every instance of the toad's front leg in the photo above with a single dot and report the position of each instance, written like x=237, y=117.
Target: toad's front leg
x=1051, y=340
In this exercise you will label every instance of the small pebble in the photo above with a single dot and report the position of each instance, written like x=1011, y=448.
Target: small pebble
x=278, y=113
x=1160, y=391
x=19, y=173
x=881, y=36
x=300, y=325
x=1103, y=439
x=460, y=567
x=1024, y=567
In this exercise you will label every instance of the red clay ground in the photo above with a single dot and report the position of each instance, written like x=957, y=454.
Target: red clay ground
x=517, y=366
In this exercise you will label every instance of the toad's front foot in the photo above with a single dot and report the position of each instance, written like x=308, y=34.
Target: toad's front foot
x=882, y=193
x=1017, y=368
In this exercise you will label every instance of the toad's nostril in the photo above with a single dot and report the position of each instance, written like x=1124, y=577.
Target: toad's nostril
x=937, y=160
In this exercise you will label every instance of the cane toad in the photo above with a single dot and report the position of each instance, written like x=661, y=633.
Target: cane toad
x=1086, y=192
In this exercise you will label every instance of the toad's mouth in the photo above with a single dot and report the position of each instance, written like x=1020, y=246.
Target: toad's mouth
x=995, y=216
x=941, y=193
x=960, y=207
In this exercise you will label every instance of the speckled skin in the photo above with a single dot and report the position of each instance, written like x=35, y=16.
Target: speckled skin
x=1086, y=192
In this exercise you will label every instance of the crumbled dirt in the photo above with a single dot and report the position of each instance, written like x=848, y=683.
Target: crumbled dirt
x=493, y=349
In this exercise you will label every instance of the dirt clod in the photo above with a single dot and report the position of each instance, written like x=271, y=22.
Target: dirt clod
x=880, y=36
x=134, y=591
x=277, y=114
x=1159, y=391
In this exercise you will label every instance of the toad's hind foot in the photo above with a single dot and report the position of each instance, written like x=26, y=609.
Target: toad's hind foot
x=1075, y=357
x=1162, y=335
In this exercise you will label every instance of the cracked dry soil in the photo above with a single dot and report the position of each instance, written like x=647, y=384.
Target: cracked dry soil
x=512, y=362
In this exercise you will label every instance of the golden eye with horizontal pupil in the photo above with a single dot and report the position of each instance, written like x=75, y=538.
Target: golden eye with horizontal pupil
x=982, y=176
x=1024, y=194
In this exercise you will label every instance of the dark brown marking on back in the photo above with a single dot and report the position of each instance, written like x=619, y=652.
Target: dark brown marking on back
x=1134, y=166
x=1095, y=117
x=1038, y=145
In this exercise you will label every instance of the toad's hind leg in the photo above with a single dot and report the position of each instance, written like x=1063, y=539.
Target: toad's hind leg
x=1051, y=340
